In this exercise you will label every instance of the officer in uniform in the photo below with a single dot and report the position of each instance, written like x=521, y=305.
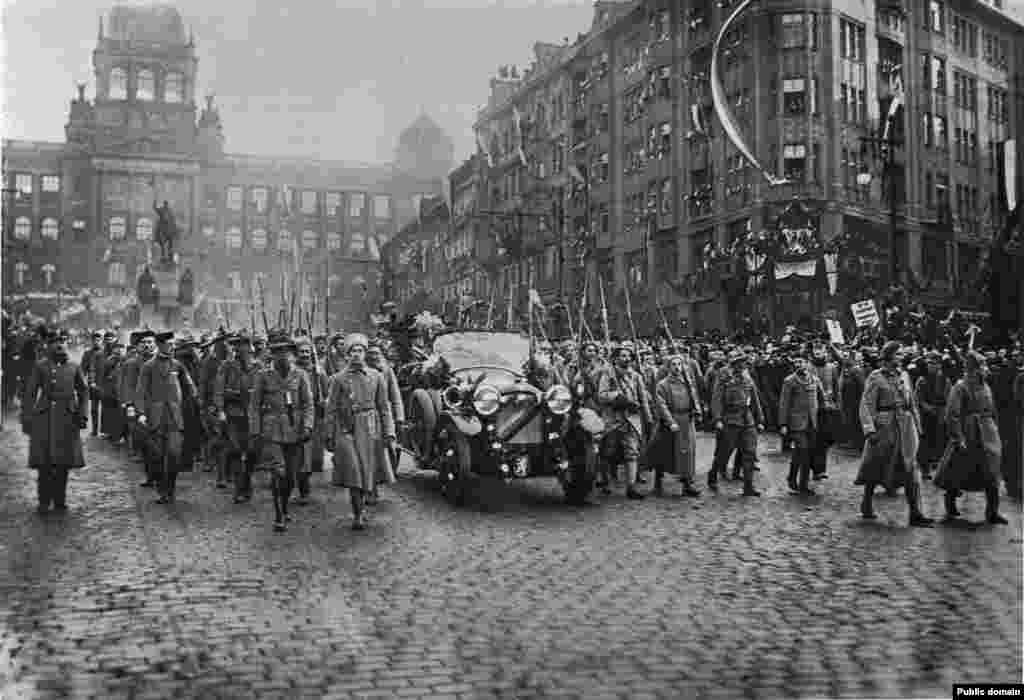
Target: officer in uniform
x=52, y=414
x=375, y=359
x=164, y=387
x=92, y=363
x=627, y=408
x=281, y=415
x=736, y=411
x=129, y=381
x=313, y=460
x=208, y=369
x=232, y=387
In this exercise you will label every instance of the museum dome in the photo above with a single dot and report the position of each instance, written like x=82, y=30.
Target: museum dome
x=150, y=24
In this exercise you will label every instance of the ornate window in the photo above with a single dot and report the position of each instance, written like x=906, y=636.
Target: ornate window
x=308, y=202
x=284, y=241
x=234, y=198
x=382, y=207
x=116, y=274
x=22, y=228
x=333, y=240
x=357, y=242
x=20, y=271
x=310, y=239
x=332, y=203
x=50, y=229
x=118, y=84
x=117, y=228
x=235, y=280
x=145, y=87
x=259, y=199
x=23, y=183
x=144, y=229
x=48, y=271
x=51, y=183
x=174, y=88
x=259, y=239
x=233, y=238
x=356, y=204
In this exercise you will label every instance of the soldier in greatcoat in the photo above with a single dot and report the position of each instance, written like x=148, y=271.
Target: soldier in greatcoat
x=360, y=427
x=231, y=393
x=801, y=399
x=128, y=381
x=375, y=359
x=892, y=427
x=112, y=417
x=932, y=391
x=627, y=412
x=213, y=448
x=314, y=447
x=52, y=414
x=829, y=411
x=974, y=430
x=164, y=388
x=737, y=415
x=281, y=416
x=677, y=403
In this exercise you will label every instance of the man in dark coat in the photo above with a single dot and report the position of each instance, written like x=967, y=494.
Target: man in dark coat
x=802, y=397
x=92, y=364
x=736, y=411
x=52, y=414
x=213, y=449
x=235, y=379
x=164, y=387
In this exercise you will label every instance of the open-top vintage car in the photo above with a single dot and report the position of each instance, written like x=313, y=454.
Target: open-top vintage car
x=471, y=409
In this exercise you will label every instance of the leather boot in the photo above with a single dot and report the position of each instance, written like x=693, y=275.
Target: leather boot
x=992, y=507
x=952, y=513
x=867, y=508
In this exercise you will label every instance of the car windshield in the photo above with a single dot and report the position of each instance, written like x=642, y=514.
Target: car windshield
x=472, y=349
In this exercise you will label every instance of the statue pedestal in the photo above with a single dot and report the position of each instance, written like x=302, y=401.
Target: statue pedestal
x=166, y=278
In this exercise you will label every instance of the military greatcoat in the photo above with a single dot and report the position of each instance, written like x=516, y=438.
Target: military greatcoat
x=972, y=418
x=888, y=409
x=358, y=420
x=56, y=399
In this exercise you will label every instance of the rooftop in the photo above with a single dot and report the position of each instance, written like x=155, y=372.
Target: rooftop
x=148, y=24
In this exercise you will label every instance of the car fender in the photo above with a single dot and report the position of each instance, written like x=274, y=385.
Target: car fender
x=469, y=426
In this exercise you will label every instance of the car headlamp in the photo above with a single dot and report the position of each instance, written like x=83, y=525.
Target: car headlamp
x=558, y=399
x=486, y=400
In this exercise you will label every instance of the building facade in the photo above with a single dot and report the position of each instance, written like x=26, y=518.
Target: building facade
x=79, y=215
x=620, y=179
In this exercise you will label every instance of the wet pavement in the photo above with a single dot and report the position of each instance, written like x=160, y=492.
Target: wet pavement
x=514, y=596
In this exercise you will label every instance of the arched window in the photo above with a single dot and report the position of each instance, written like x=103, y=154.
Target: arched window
x=259, y=239
x=116, y=274
x=20, y=271
x=117, y=227
x=234, y=238
x=310, y=239
x=48, y=272
x=235, y=280
x=144, y=229
x=145, y=88
x=118, y=84
x=284, y=241
x=22, y=228
x=357, y=242
x=174, y=88
x=333, y=240
x=49, y=229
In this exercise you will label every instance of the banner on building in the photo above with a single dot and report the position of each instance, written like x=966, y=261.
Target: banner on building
x=802, y=268
x=865, y=314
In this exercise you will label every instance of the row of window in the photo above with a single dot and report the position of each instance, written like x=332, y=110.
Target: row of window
x=146, y=87
x=48, y=272
x=49, y=228
x=308, y=201
x=24, y=183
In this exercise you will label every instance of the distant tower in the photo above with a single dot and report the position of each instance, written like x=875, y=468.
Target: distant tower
x=425, y=150
x=145, y=67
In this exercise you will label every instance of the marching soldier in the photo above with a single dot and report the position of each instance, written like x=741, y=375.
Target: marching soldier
x=375, y=359
x=313, y=460
x=736, y=411
x=677, y=403
x=932, y=390
x=888, y=414
x=164, y=388
x=52, y=414
x=801, y=397
x=360, y=428
x=232, y=386
x=281, y=415
x=112, y=416
x=92, y=363
x=828, y=427
x=208, y=370
x=128, y=381
x=627, y=407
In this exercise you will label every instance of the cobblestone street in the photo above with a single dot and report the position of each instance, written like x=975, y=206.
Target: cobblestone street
x=517, y=596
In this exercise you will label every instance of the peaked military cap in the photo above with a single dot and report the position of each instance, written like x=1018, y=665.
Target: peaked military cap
x=164, y=336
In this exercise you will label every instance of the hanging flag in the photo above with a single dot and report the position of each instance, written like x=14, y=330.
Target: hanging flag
x=721, y=103
x=896, y=84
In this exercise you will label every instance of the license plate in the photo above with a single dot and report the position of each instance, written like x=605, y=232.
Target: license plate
x=522, y=465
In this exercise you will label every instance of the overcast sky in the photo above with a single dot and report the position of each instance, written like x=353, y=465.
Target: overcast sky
x=334, y=79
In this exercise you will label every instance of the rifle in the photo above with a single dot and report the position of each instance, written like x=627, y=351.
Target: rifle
x=629, y=315
x=263, y=307
x=604, y=314
x=668, y=331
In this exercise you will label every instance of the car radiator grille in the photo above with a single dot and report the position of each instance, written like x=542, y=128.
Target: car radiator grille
x=530, y=434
